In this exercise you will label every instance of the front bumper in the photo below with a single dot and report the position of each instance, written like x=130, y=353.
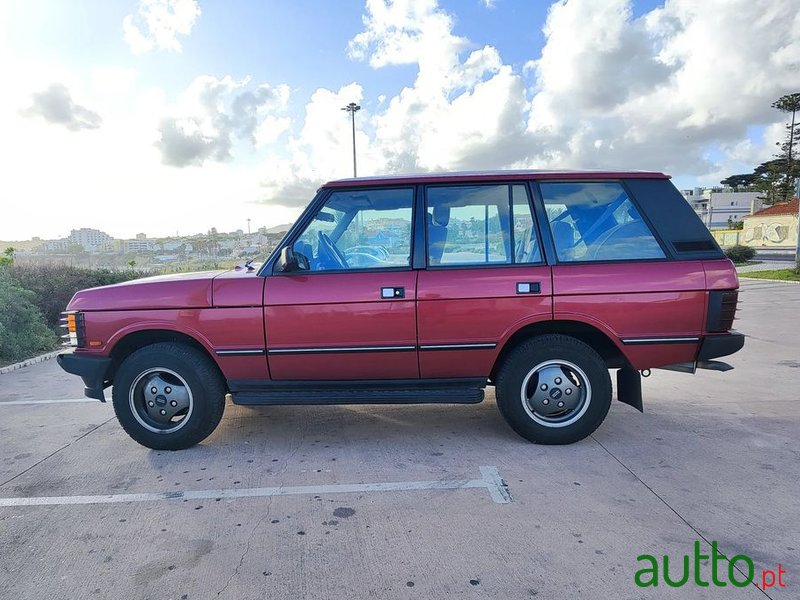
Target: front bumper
x=93, y=370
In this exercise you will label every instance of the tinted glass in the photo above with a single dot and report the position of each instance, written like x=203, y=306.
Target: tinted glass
x=480, y=225
x=363, y=229
x=596, y=222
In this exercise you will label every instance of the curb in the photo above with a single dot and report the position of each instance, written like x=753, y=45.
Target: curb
x=30, y=361
x=772, y=280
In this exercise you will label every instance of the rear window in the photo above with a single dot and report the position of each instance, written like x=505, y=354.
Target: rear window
x=596, y=221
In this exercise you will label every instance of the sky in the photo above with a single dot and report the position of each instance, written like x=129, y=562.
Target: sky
x=174, y=116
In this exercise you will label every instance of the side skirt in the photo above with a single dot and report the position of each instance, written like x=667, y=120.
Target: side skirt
x=395, y=391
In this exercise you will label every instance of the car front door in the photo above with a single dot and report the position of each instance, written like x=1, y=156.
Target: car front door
x=485, y=276
x=345, y=306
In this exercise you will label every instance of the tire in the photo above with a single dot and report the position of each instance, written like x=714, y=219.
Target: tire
x=553, y=389
x=168, y=396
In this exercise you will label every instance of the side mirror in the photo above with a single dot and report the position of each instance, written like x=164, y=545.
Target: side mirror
x=289, y=261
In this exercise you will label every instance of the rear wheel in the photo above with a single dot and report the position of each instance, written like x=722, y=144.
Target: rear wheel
x=168, y=396
x=553, y=389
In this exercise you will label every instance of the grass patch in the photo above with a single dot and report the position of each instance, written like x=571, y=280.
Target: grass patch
x=776, y=274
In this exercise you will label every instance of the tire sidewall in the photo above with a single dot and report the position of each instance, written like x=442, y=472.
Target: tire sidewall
x=540, y=350
x=208, y=395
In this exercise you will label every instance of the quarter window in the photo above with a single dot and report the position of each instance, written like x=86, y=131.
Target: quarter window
x=480, y=225
x=596, y=222
x=360, y=229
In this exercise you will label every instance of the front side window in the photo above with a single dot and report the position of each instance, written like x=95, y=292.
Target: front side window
x=480, y=225
x=359, y=229
x=596, y=222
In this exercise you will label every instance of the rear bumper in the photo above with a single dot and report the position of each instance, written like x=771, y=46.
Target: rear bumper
x=92, y=369
x=714, y=346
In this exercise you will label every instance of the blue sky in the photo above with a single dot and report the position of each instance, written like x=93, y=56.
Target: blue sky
x=209, y=112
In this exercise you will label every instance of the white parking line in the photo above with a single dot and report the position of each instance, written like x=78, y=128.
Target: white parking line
x=66, y=401
x=490, y=480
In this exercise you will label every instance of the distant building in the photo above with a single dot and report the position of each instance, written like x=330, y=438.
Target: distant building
x=716, y=205
x=91, y=240
x=138, y=245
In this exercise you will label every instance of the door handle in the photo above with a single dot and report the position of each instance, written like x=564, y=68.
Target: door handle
x=388, y=293
x=529, y=287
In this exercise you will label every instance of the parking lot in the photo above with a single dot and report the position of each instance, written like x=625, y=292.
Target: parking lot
x=407, y=501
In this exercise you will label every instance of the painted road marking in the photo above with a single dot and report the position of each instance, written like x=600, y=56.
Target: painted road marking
x=490, y=480
x=67, y=401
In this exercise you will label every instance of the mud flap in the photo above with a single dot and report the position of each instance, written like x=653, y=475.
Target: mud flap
x=629, y=387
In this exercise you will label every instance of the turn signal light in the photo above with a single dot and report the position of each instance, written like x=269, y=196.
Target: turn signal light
x=72, y=321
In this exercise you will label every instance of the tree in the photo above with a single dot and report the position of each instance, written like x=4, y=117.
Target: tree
x=744, y=180
x=790, y=103
x=7, y=260
x=770, y=180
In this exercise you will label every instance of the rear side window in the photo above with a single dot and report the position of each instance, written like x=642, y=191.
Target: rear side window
x=480, y=225
x=597, y=222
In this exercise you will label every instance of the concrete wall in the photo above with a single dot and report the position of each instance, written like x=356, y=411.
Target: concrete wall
x=773, y=231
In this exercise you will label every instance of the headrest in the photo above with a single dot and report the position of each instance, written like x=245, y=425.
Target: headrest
x=441, y=215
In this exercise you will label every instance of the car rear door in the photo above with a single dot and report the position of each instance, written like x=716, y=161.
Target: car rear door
x=485, y=276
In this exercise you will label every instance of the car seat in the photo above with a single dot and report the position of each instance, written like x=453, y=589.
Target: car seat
x=437, y=232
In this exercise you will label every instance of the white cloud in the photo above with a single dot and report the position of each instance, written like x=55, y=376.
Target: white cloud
x=663, y=89
x=158, y=23
x=55, y=105
x=669, y=91
x=212, y=114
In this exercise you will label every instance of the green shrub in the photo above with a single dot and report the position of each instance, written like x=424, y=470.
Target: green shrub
x=22, y=329
x=740, y=254
x=54, y=286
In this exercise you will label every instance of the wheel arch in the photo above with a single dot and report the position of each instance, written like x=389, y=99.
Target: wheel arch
x=135, y=340
x=594, y=337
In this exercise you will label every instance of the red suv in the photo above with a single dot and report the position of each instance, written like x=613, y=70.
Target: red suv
x=425, y=289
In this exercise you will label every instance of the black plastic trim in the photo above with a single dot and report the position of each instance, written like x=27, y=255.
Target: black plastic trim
x=395, y=391
x=92, y=369
x=660, y=340
x=239, y=352
x=340, y=349
x=714, y=346
x=460, y=346
x=629, y=387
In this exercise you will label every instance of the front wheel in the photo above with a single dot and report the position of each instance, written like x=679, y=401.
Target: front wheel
x=553, y=389
x=168, y=396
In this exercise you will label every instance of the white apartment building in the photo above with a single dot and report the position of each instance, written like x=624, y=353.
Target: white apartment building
x=715, y=205
x=91, y=240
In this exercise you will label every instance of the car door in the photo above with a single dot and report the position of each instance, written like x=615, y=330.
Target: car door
x=345, y=309
x=485, y=276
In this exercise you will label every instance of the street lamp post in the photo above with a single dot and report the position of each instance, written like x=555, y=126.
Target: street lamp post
x=353, y=108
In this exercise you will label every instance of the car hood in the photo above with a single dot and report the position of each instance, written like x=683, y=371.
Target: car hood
x=180, y=290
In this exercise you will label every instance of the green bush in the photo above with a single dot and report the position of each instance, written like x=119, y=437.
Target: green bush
x=54, y=286
x=22, y=329
x=740, y=254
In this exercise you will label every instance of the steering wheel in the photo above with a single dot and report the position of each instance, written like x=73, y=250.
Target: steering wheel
x=329, y=254
x=379, y=253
